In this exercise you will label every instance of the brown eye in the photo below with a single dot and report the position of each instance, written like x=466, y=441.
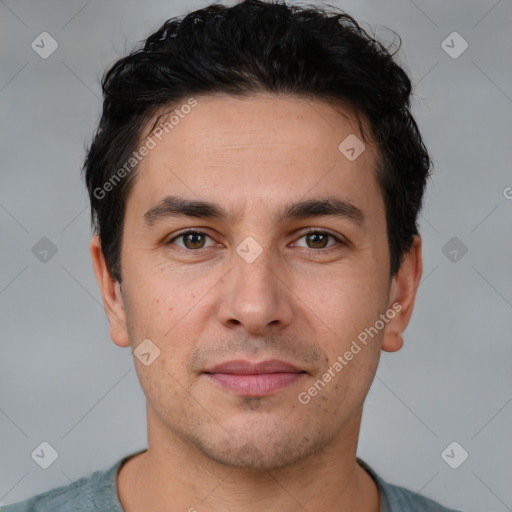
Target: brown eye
x=319, y=240
x=191, y=240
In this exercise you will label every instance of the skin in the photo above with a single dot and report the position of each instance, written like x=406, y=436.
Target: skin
x=208, y=448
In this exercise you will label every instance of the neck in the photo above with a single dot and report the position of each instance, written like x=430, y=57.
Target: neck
x=172, y=473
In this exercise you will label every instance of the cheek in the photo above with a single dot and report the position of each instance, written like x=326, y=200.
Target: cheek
x=171, y=312
x=347, y=302
x=159, y=297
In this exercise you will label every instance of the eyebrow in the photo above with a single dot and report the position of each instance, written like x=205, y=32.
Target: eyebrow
x=174, y=206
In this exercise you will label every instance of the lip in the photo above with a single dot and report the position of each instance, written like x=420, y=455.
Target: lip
x=244, y=378
x=242, y=367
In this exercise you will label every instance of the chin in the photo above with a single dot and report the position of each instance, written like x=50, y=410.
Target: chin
x=260, y=448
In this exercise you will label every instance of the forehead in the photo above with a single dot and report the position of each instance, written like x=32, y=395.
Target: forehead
x=258, y=120
x=261, y=148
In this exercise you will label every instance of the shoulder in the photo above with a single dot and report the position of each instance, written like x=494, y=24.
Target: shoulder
x=405, y=500
x=88, y=494
x=395, y=498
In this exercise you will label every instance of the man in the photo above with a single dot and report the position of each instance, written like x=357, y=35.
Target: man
x=255, y=183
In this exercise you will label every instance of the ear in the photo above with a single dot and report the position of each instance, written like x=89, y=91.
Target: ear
x=402, y=296
x=111, y=293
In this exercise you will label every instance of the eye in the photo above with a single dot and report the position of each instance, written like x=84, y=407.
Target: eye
x=319, y=239
x=192, y=240
x=195, y=240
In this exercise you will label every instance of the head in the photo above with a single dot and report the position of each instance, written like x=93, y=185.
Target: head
x=281, y=137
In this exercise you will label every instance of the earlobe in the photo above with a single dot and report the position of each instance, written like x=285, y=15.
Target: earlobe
x=111, y=294
x=402, y=296
x=393, y=340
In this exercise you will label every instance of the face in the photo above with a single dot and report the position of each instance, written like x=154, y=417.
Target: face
x=256, y=301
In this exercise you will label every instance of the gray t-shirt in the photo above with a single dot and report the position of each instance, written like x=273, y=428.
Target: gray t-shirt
x=98, y=493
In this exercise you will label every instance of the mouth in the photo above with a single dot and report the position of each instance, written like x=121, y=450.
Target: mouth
x=244, y=378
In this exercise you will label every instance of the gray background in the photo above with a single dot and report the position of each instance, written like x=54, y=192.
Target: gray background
x=63, y=381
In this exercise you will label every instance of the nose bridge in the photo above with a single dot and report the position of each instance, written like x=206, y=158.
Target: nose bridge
x=254, y=296
x=254, y=270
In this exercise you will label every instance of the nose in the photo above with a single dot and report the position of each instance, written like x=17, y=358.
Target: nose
x=255, y=297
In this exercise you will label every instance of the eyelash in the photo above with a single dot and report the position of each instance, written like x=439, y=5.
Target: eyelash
x=307, y=249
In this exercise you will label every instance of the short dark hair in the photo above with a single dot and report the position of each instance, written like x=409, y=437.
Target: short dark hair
x=254, y=47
